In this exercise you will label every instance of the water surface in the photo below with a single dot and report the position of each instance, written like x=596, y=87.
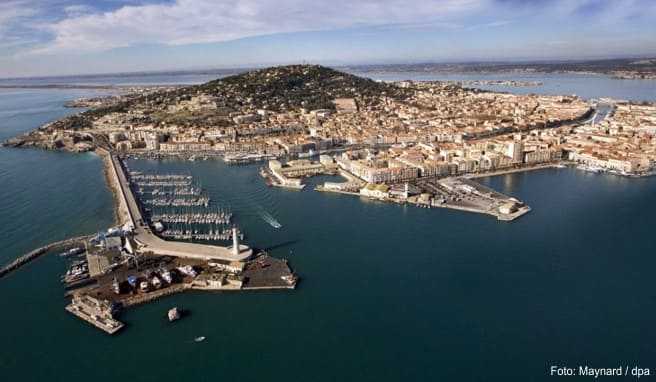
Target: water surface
x=388, y=292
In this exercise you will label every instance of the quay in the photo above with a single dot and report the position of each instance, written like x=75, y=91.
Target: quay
x=464, y=194
x=514, y=170
x=144, y=298
x=99, y=304
x=289, y=175
x=457, y=193
x=98, y=313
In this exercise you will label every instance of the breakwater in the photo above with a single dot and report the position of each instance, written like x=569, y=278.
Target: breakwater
x=33, y=255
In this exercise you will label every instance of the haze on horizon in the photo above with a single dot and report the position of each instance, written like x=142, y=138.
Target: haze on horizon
x=65, y=37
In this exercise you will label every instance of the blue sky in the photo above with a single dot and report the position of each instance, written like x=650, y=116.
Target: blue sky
x=55, y=37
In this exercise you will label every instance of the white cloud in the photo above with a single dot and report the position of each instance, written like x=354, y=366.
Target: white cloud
x=203, y=21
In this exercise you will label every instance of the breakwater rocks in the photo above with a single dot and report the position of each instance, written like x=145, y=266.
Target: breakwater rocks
x=23, y=260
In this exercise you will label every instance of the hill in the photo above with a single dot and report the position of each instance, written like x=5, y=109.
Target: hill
x=296, y=86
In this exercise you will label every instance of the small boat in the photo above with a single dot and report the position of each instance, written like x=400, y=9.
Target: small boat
x=199, y=339
x=72, y=252
x=174, y=314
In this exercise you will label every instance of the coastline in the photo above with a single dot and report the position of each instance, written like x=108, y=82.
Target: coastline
x=104, y=156
x=515, y=170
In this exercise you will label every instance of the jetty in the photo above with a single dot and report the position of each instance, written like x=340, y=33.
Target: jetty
x=33, y=255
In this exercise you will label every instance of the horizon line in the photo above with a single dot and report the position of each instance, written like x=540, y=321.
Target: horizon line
x=244, y=68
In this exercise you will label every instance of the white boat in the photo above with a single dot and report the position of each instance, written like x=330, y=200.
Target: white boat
x=159, y=227
x=166, y=275
x=199, y=339
x=270, y=219
x=173, y=314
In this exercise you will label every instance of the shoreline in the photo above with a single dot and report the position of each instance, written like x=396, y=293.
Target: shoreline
x=108, y=183
x=515, y=170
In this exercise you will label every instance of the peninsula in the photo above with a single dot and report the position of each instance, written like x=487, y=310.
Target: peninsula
x=422, y=143
x=389, y=139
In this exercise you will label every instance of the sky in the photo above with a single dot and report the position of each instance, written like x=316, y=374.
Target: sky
x=68, y=37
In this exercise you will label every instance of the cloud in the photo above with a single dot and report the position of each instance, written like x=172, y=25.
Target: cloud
x=206, y=21
x=14, y=35
x=493, y=24
x=77, y=10
x=12, y=12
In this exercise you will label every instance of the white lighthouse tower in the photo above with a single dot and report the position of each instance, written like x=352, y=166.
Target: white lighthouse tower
x=235, y=241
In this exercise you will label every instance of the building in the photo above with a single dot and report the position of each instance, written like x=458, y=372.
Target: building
x=378, y=191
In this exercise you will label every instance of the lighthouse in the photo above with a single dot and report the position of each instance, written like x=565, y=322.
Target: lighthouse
x=235, y=241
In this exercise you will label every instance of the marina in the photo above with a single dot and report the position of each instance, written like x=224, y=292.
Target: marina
x=220, y=217
x=177, y=211
x=178, y=202
x=130, y=265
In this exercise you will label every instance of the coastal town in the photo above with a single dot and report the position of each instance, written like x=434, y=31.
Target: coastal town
x=421, y=143
x=379, y=135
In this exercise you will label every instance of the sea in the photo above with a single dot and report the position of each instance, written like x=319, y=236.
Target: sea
x=387, y=292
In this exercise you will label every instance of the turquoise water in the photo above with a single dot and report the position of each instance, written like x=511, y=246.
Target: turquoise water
x=388, y=293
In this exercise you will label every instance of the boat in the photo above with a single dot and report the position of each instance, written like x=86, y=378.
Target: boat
x=270, y=219
x=174, y=314
x=166, y=275
x=72, y=252
x=116, y=286
x=156, y=282
x=199, y=339
x=590, y=168
x=159, y=227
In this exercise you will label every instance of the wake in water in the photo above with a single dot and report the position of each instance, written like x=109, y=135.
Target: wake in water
x=269, y=219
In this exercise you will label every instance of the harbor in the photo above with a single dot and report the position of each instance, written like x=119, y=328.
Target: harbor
x=142, y=259
x=453, y=192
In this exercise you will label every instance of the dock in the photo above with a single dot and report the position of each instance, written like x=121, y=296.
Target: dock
x=464, y=194
x=98, y=313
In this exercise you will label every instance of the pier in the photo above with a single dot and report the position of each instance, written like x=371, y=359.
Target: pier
x=193, y=218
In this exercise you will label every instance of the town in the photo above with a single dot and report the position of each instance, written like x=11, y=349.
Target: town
x=380, y=136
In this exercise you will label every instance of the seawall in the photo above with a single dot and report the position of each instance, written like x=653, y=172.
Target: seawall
x=33, y=255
